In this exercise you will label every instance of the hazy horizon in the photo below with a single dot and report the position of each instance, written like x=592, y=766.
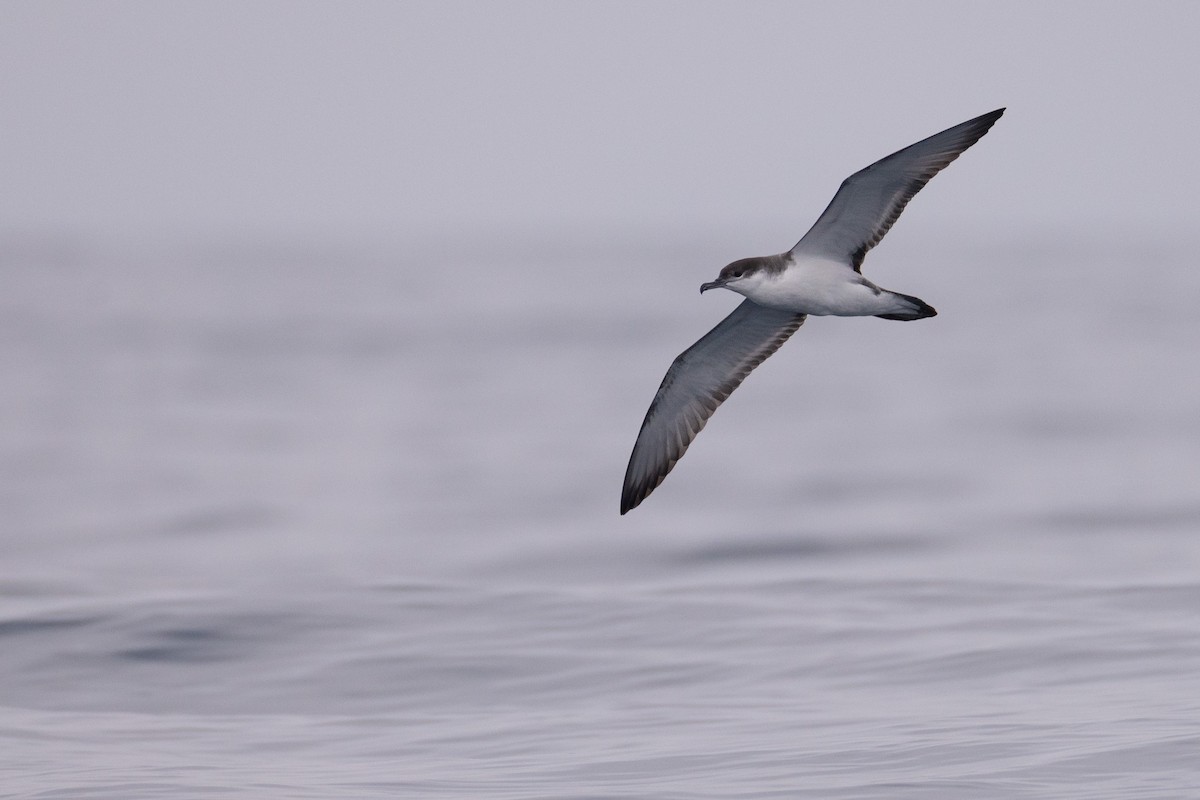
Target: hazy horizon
x=394, y=122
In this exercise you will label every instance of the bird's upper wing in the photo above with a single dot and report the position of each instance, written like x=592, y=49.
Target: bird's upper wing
x=698, y=381
x=870, y=200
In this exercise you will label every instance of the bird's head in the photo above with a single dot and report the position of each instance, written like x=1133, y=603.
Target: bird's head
x=741, y=276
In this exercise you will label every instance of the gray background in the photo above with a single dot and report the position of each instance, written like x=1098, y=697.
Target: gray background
x=469, y=122
x=326, y=330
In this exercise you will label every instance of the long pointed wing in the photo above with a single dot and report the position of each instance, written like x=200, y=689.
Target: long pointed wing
x=870, y=200
x=696, y=384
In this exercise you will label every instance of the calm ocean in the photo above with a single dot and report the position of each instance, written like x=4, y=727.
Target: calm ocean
x=292, y=522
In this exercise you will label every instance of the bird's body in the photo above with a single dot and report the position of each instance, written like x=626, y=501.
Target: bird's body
x=820, y=276
x=819, y=287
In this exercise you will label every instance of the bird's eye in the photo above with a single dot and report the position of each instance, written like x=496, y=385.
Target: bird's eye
x=737, y=274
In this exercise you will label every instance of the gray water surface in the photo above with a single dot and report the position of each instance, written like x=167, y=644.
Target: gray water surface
x=294, y=522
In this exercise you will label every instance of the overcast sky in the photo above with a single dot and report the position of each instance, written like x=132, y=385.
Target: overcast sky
x=403, y=121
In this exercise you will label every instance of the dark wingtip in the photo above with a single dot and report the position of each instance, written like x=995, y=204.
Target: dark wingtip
x=989, y=119
x=629, y=501
x=976, y=128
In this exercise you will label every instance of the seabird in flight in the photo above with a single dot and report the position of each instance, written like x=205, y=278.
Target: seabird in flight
x=821, y=275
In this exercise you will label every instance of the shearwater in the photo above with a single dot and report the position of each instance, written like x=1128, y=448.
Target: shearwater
x=821, y=275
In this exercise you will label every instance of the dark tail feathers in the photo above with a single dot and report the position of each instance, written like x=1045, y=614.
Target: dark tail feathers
x=920, y=309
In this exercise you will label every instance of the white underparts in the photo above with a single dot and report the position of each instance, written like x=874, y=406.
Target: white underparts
x=821, y=288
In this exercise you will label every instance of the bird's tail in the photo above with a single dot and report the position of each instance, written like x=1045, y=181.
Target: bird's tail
x=908, y=308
